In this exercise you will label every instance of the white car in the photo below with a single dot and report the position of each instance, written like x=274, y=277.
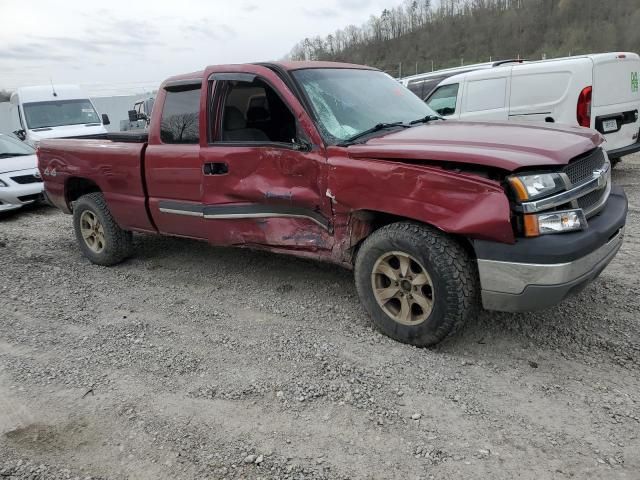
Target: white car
x=20, y=182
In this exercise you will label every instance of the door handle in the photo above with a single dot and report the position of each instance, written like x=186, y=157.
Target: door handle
x=215, y=168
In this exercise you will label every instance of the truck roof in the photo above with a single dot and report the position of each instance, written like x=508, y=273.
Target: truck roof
x=43, y=93
x=284, y=65
x=303, y=65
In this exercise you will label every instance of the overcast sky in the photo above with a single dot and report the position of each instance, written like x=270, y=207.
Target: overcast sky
x=132, y=45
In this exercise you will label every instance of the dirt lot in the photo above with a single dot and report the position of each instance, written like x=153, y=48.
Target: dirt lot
x=193, y=362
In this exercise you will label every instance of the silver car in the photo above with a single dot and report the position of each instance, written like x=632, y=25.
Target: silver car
x=20, y=182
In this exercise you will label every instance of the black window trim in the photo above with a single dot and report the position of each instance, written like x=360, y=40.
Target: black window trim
x=217, y=92
x=181, y=85
x=22, y=124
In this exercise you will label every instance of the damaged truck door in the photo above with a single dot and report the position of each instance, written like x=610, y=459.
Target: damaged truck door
x=265, y=176
x=250, y=169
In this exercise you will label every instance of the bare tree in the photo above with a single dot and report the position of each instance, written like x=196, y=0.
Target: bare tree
x=181, y=128
x=442, y=32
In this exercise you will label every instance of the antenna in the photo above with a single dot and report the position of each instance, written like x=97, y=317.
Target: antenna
x=52, y=87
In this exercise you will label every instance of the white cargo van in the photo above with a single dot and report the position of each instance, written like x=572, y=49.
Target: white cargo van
x=423, y=84
x=54, y=111
x=596, y=91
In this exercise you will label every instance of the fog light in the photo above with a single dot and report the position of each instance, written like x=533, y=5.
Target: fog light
x=554, y=222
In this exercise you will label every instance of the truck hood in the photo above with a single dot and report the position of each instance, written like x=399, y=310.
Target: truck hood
x=14, y=164
x=65, y=131
x=508, y=146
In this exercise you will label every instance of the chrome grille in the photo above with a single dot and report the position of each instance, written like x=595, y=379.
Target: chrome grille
x=591, y=199
x=588, y=182
x=581, y=169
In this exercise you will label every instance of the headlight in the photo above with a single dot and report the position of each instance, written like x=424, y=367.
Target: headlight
x=532, y=187
x=3, y=184
x=554, y=222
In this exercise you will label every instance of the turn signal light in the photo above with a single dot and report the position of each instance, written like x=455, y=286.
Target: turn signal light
x=554, y=222
x=531, y=228
x=519, y=188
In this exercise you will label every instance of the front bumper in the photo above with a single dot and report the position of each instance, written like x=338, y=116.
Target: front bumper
x=540, y=272
x=15, y=195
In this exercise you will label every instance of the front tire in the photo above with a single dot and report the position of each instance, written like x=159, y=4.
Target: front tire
x=417, y=284
x=99, y=237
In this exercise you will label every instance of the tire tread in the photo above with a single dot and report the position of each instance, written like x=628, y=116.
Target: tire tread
x=119, y=241
x=448, y=255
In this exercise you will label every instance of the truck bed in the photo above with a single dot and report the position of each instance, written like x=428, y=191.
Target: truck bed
x=114, y=166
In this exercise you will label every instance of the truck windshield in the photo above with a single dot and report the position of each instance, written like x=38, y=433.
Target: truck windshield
x=348, y=102
x=57, y=113
x=10, y=147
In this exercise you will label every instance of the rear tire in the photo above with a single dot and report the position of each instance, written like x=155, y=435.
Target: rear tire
x=417, y=284
x=99, y=237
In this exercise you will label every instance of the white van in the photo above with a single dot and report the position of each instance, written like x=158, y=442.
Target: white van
x=423, y=84
x=596, y=91
x=54, y=111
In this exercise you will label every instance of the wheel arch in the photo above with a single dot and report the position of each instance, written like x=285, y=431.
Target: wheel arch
x=75, y=187
x=364, y=222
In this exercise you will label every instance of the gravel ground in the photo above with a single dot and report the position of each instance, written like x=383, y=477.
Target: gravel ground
x=194, y=362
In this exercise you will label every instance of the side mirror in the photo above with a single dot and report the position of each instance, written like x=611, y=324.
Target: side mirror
x=301, y=145
x=105, y=119
x=21, y=134
x=133, y=115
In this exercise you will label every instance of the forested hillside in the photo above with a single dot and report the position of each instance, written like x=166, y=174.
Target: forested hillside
x=420, y=34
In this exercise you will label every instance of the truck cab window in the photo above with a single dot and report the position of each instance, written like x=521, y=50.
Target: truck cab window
x=253, y=112
x=180, y=116
x=444, y=99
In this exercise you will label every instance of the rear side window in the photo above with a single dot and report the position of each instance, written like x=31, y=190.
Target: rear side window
x=417, y=87
x=444, y=99
x=181, y=116
x=486, y=94
x=423, y=87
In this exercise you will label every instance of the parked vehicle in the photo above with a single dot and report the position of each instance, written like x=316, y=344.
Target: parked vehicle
x=20, y=181
x=423, y=84
x=139, y=116
x=340, y=163
x=54, y=111
x=594, y=91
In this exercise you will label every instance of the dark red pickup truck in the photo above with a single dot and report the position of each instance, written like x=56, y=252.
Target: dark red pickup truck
x=341, y=163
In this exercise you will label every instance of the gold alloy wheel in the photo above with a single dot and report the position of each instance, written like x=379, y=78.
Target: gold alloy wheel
x=403, y=288
x=92, y=231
